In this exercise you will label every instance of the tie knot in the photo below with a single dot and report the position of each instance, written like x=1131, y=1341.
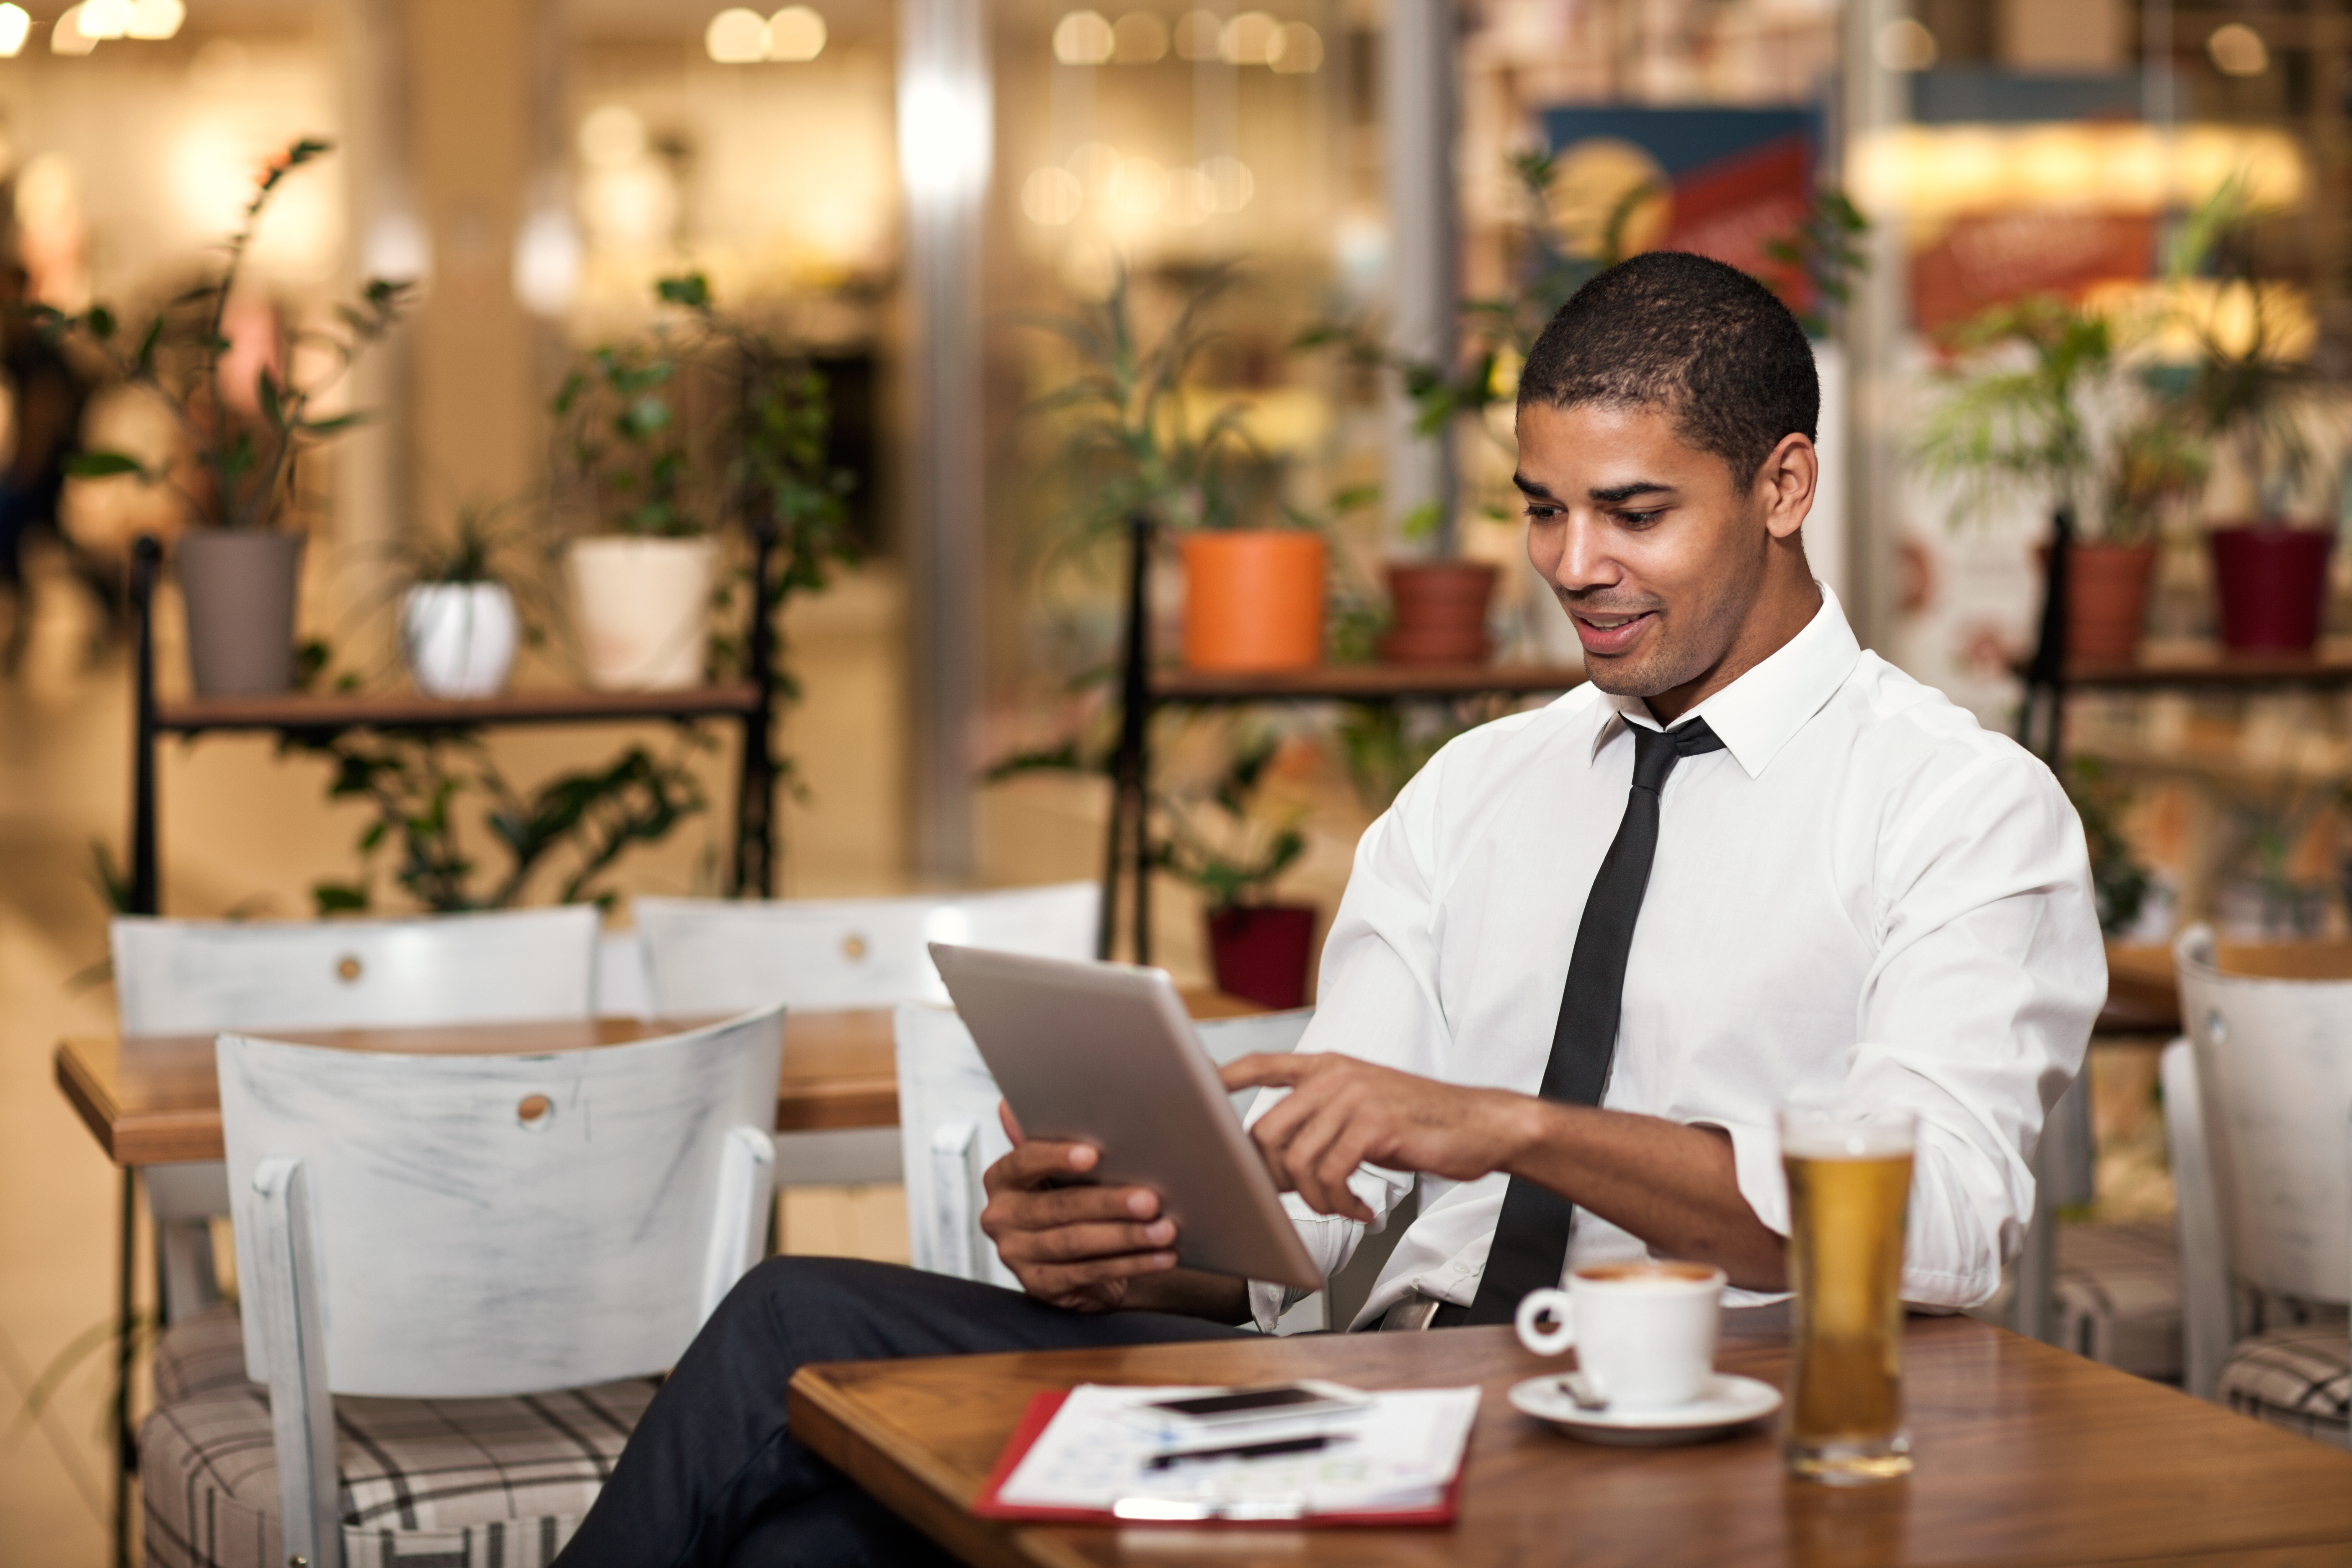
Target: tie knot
x=1655, y=752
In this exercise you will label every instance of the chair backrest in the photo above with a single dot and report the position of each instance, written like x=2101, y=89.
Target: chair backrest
x=2208, y=1316
x=505, y=1224
x=950, y=1134
x=190, y=977
x=706, y=956
x=2274, y=1059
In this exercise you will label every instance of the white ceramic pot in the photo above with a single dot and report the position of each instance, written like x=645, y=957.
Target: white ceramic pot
x=642, y=607
x=459, y=638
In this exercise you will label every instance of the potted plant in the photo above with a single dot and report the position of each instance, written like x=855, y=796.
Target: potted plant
x=1258, y=948
x=2043, y=405
x=460, y=625
x=2252, y=395
x=704, y=418
x=640, y=592
x=1134, y=442
x=242, y=435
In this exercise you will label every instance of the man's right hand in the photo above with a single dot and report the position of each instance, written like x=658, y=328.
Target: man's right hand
x=1076, y=1245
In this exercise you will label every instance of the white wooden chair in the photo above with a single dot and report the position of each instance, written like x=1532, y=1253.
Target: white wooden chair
x=712, y=956
x=196, y=976
x=822, y=955
x=2256, y=1105
x=455, y=1270
x=950, y=1132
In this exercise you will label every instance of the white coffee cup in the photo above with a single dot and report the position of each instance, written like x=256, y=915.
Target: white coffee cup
x=1644, y=1329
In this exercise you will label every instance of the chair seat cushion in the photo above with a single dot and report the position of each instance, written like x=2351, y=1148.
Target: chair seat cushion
x=2298, y=1378
x=2118, y=1295
x=200, y=1354
x=460, y=1483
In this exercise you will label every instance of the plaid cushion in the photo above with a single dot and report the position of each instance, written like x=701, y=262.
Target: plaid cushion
x=2299, y=1378
x=448, y=1483
x=2118, y=1293
x=200, y=1353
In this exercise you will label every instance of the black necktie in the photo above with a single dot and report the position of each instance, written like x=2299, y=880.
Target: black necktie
x=1531, y=1238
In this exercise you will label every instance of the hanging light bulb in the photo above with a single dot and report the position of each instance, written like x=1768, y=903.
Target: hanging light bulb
x=15, y=26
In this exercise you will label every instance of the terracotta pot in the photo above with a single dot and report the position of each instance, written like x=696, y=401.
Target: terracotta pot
x=239, y=589
x=2107, y=598
x=1440, y=612
x=459, y=638
x=1253, y=599
x=1261, y=952
x=642, y=607
x=2272, y=587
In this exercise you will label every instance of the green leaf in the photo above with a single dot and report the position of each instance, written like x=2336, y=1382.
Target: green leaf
x=339, y=897
x=100, y=464
x=99, y=322
x=691, y=289
x=145, y=357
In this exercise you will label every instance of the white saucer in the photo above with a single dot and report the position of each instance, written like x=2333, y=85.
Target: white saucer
x=1724, y=1403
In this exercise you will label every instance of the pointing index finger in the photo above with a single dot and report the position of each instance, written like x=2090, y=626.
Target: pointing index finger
x=1260, y=1069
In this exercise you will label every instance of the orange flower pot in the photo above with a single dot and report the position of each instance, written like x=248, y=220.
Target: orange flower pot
x=1253, y=599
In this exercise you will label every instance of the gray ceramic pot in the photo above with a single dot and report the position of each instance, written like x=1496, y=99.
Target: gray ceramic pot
x=239, y=589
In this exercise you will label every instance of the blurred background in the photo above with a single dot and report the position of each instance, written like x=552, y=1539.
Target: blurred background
x=936, y=297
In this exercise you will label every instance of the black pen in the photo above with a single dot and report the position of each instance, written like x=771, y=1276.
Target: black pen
x=1249, y=1450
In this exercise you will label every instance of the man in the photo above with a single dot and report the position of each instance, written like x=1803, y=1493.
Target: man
x=1747, y=861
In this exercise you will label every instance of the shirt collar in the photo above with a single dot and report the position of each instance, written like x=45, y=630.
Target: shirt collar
x=1756, y=715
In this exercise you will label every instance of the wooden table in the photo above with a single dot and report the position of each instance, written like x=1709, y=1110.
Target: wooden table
x=2026, y=1455
x=153, y=1099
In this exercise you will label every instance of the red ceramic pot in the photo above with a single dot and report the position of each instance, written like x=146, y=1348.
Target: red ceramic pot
x=1261, y=952
x=2107, y=598
x=1440, y=612
x=2272, y=587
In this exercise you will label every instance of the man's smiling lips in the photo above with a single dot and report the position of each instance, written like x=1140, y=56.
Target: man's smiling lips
x=1604, y=633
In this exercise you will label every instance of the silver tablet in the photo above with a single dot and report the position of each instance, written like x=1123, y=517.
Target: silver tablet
x=1106, y=1054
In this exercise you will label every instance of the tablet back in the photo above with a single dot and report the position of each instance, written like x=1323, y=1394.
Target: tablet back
x=1106, y=1054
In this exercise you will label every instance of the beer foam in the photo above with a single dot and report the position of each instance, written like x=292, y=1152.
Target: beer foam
x=1831, y=1139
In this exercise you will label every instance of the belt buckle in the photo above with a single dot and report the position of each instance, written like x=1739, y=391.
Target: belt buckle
x=1411, y=1315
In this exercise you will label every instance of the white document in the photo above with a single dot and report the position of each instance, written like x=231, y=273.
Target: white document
x=1398, y=1454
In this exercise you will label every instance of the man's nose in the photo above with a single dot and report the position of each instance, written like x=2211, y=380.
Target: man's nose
x=1584, y=560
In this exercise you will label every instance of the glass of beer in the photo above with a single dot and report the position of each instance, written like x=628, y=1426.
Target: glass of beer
x=1848, y=1186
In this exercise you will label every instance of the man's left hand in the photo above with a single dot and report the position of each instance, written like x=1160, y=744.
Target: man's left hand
x=1342, y=1112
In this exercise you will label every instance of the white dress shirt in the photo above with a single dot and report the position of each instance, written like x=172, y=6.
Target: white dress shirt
x=1864, y=895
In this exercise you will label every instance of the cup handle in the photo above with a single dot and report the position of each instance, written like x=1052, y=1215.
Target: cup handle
x=1535, y=1305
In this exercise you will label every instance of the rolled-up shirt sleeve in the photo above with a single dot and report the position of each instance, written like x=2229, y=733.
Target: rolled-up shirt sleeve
x=1974, y=1016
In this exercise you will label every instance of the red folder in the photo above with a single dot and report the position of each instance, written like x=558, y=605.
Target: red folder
x=1040, y=1415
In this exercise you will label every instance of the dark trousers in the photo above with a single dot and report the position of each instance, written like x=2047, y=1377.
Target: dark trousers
x=712, y=1477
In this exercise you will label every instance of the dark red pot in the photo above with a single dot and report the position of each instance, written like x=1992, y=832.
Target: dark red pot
x=2272, y=585
x=1261, y=952
x=1440, y=612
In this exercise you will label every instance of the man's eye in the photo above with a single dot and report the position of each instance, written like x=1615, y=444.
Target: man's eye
x=1640, y=518
x=1538, y=512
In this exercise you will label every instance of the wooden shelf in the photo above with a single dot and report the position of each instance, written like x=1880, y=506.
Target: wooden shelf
x=304, y=711
x=1363, y=682
x=2178, y=668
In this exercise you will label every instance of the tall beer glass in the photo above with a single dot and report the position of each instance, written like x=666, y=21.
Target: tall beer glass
x=1848, y=1186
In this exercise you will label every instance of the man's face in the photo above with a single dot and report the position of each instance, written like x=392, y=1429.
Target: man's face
x=1656, y=555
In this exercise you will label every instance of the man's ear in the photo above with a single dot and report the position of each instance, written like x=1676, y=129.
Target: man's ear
x=1787, y=482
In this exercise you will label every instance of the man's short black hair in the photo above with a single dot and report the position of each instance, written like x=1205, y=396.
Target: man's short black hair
x=1704, y=342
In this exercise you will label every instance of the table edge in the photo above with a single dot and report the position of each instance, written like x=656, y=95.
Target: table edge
x=897, y=1472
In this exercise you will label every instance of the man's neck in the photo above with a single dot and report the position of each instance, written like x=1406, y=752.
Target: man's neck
x=1788, y=605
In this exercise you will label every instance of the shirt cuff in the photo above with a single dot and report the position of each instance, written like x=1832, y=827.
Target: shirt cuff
x=1756, y=1165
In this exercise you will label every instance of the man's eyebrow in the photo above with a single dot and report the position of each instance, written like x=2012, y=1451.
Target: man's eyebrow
x=1528, y=487
x=1627, y=492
